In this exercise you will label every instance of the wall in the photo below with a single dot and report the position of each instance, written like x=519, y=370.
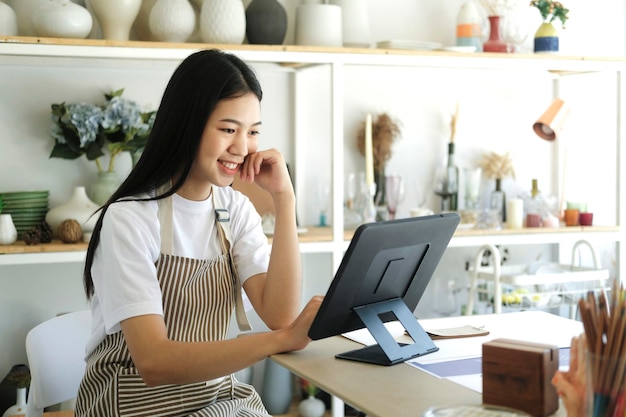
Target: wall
x=31, y=294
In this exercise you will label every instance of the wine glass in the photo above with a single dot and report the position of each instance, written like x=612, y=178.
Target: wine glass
x=446, y=185
x=394, y=193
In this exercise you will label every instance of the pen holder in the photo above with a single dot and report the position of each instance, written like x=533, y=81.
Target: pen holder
x=517, y=374
x=606, y=385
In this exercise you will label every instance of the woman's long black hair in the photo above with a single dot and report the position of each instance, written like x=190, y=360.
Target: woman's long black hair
x=197, y=85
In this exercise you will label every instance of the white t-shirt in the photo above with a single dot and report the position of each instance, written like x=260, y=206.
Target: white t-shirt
x=124, y=271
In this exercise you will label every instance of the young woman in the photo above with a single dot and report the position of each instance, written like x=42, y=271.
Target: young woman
x=173, y=248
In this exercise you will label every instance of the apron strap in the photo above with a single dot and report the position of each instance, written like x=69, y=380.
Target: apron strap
x=166, y=214
x=222, y=219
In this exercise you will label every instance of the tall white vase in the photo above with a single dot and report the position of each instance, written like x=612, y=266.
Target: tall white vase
x=116, y=17
x=223, y=21
x=79, y=207
x=8, y=20
x=8, y=232
x=142, y=22
x=355, y=23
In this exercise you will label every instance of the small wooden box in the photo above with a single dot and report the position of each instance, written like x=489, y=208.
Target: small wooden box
x=517, y=374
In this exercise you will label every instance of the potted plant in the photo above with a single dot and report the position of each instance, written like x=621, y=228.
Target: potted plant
x=117, y=125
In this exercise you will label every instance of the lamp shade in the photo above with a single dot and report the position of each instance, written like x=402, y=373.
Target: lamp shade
x=551, y=122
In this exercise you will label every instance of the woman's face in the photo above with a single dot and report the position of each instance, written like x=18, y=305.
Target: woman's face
x=231, y=133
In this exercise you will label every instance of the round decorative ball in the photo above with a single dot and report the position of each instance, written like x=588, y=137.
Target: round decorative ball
x=70, y=231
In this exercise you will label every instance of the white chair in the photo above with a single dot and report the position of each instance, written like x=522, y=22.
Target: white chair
x=56, y=352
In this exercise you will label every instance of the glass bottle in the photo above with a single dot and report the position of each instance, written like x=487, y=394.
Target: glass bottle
x=453, y=179
x=533, y=206
x=498, y=201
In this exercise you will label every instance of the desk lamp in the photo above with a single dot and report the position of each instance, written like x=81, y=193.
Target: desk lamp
x=550, y=124
x=549, y=127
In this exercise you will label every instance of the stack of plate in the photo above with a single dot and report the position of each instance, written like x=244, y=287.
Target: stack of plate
x=27, y=208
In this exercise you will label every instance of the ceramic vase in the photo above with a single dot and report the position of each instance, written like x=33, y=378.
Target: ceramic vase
x=79, y=207
x=8, y=232
x=20, y=404
x=276, y=392
x=495, y=43
x=311, y=407
x=319, y=24
x=223, y=21
x=61, y=19
x=8, y=20
x=266, y=22
x=354, y=23
x=135, y=156
x=116, y=17
x=142, y=22
x=105, y=185
x=468, y=26
x=546, y=38
x=172, y=20
x=24, y=10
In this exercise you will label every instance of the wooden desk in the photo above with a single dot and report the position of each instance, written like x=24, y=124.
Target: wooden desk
x=378, y=391
x=404, y=391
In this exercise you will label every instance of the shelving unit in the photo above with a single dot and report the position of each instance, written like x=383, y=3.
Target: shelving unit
x=35, y=51
x=38, y=52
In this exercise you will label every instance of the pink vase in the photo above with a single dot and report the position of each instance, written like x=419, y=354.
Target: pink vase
x=495, y=42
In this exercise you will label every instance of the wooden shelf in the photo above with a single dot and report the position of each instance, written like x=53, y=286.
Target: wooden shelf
x=299, y=55
x=324, y=234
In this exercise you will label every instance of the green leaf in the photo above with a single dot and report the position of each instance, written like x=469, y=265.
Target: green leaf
x=94, y=151
x=62, y=150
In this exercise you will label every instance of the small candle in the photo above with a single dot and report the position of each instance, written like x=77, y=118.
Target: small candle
x=515, y=213
x=369, y=153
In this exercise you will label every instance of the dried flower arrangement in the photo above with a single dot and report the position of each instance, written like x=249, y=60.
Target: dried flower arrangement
x=385, y=131
x=497, y=166
x=499, y=7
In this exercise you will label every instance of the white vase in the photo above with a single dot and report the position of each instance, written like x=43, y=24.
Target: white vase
x=8, y=20
x=8, y=232
x=223, y=21
x=116, y=17
x=312, y=407
x=61, y=19
x=319, y=24
x=24, y=10
x=142, y=22
x=355, y=23
x=172, y=20
x=79, y=207
x=20, y=404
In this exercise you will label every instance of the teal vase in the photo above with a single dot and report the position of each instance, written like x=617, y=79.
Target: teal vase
x=105, y=185
x=546, y=38
x=276, y=392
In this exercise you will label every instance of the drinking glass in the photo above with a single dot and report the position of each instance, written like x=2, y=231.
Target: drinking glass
x=446, y=184
x=394, y=193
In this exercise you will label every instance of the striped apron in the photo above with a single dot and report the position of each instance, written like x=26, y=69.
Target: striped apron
x=199, y=296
